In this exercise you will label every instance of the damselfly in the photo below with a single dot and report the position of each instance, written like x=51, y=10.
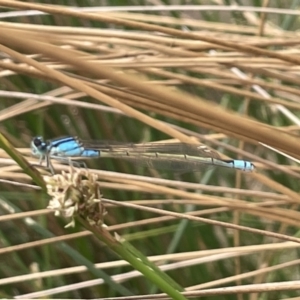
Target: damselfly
x=172, y=156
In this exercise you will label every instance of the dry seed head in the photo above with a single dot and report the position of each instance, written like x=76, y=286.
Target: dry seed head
x=76, y=193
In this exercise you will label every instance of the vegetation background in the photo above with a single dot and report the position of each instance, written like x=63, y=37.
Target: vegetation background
x=222, y=73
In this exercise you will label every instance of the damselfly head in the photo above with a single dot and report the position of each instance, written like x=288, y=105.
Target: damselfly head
x=38, y=146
